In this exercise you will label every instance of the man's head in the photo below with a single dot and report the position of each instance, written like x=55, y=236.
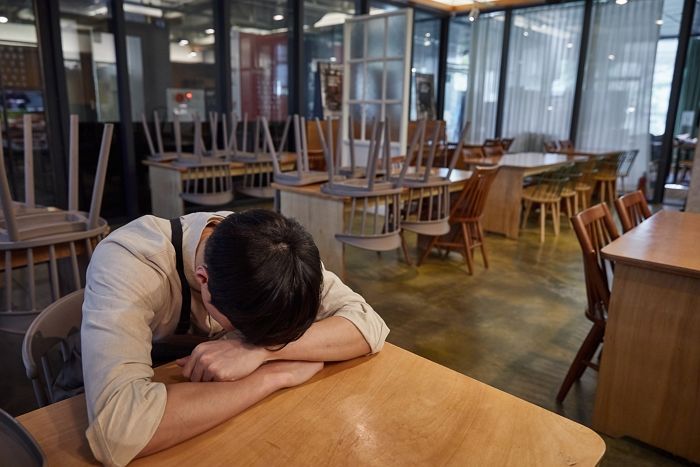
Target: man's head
x=262, y=272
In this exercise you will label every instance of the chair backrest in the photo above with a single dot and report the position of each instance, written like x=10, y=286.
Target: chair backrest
x=49, y=329
x=208, y=185
x=507, y=143
x=550, y=146
x=493, y=150
x=595, y=228
x=493, y=142
x=565, y=144
x=375, y=220
x=28, y=161
x=472, y=199
x=625, y=162
x=632, y=209
x=457, y=155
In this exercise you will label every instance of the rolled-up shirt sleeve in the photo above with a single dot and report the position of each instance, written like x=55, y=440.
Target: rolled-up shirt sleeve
x=124, y=406
x=339, y=300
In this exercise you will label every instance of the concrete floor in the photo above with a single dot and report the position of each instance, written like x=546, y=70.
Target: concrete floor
x=515, y=326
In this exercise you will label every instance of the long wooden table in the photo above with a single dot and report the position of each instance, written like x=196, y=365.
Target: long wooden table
x=323, y=215
x=503, y=204
x=649, y=382
x=394, y=408
x=165, y=180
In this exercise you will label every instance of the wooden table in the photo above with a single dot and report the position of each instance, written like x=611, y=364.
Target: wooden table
x=503, y=204
x=324, y=215
x=394, y=408
x=165, y=180
x=649, y=382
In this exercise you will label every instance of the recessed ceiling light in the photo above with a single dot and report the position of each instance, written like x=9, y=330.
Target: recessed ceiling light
x=193, y=54
x=209, y=31
x=621, y=2
x=473, y=14
x=183, y=42
x=427, y=34
x=4, y=19
x=413, y=70
x=332, y=59
x=278, y=17
x=550, y=108
x=611, y=57
x=569, y=45
x=659, y=22
x=526, y=34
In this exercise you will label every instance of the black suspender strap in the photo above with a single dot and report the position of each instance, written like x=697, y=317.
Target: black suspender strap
x=183, y=324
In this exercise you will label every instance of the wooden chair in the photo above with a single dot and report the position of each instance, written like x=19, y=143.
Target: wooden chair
x=492, y=151
x=550, y=146
x=585, y=183
x=507, y=143
x=48, y=331
x=624, y=166
x=208, y=185
x=303, y=175
x=317, y=159
x=465, y=219
x=594, y=229
x=632, y=209
x=546, y=191
x=565, y=145
x=159, y=153
x=606, y=178
x=43, y=237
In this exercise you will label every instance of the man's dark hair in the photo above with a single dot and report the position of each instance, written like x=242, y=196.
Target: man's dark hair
x=264, y=276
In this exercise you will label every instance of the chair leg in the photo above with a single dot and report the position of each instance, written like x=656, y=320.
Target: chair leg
x=583, y=356
x=556, y=218
x=528, y=205
x=543, y=214
x=466, y=237
x=480, y=231
x=427, y=250
x=405, y=249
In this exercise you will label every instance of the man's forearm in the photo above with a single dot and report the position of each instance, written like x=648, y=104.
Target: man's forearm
x=193, y=408
x=332, y=339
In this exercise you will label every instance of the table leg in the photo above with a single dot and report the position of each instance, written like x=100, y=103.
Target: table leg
x=322, y=218
x=166, y=185
x=502, y=210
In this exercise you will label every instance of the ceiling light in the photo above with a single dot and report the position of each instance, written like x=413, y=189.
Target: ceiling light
x=193, y=54
x=413, y=70
x=550, y=108
x=278, y=17
x=209, y=31
x=427, y=34
x=611, y=57
x=526, y=34
x=183, y=42
x=473, y=14
x=4, y=19
x=426, y=43
x=659, y=22
x=332, y=59
x=621, y=2
x=630, y=110
x=569, y=45
x=142, y=10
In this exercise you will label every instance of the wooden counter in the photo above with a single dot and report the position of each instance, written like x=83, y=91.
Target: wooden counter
x=649, y=382
x=392, y=409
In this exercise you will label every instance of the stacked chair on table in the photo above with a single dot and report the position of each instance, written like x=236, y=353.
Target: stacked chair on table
x=594, y=229
x=158, y=153
x=31, y=236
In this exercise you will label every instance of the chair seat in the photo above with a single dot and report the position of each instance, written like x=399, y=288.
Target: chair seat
x=605, y=177
x=536, y=194
x=568, y=193
x=208, y=199
x=580, y=186
x=381, y=242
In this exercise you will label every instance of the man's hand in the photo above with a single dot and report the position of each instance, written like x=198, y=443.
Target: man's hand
x=222, y=360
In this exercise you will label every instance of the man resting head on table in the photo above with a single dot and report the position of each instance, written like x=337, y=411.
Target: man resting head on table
x=256, y=277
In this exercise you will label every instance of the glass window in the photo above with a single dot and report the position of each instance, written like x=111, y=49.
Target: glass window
x=457, y=79
x=323, y=55
x=91, y=78
x=21, y=93
x=484, y=75
x=259, y=60
x=424, y=73
x=542, y=68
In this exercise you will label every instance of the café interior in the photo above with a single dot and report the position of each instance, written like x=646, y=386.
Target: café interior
x=508, y=183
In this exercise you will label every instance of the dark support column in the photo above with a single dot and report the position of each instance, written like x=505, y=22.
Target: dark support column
x=580, y=75
x=295, y=59
x=442, y=65
x=361, y=7
x=222, y=50
x=674, y=100
x=56, y=96
x=502, y=77
x=126, y=130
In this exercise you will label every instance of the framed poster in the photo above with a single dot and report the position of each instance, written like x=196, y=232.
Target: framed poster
x=331, y=79
x=425, y=96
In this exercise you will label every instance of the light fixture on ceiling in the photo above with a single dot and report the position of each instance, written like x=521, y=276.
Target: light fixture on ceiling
x=332, y=59
x=659, y=22
x=278, y=17
x=621, y=2
x=427, y=34
x=611, y=57
x=4, y=19
x=183, y=42
x=209, y=31
x=473, y=14
x=526, y=33
x=569, y=45
x=193, y=54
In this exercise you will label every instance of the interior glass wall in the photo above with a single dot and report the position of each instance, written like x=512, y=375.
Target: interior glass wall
x=457, y=79
x=91, y=78
x=323, y=55
x=424, y=71
x=21, y=93
x=541, y=77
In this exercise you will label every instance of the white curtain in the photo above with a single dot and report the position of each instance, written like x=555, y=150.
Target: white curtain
x=482, y=95
x=616, y=100
x=541, y=77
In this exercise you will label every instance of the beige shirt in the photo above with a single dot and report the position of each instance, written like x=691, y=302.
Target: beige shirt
x=133, y=297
